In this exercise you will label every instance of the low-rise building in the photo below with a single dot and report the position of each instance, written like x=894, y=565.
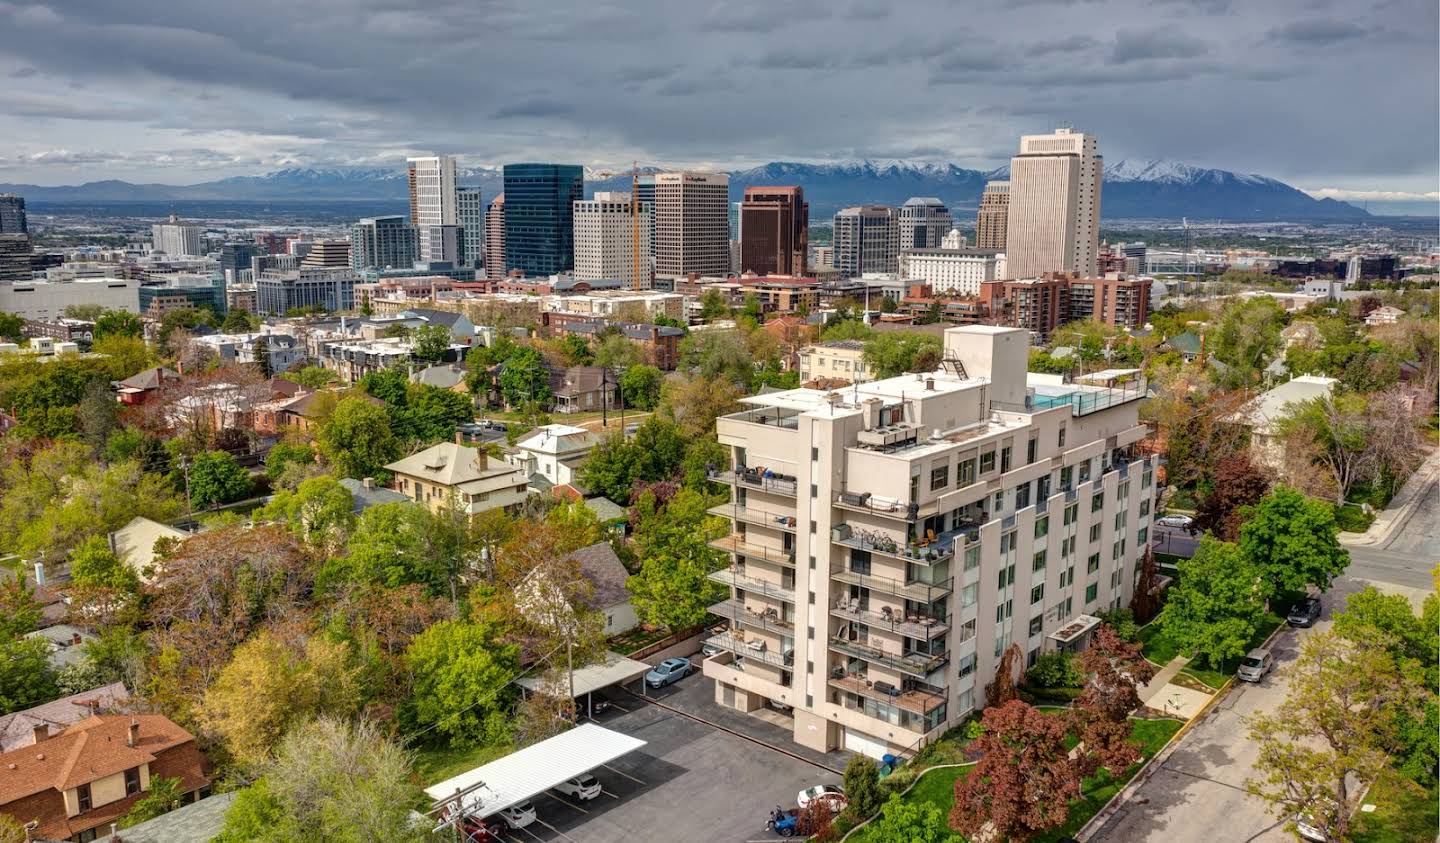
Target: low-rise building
x=1384, y=315
x=135, y=544
x=280, y=352
x=451, y=474
x=141, y=386
x=47, y=300
x=20, y=729
x=62, y=330
x=608, y=596
x=1264, y=414
x=580, y=389
x=839, y=359
x=555, y=452
x=957, y=271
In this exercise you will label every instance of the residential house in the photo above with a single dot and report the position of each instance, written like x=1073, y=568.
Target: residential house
x=1384, y=315
x=449, y=376
x=22, y=728
x=67, y=644
x=138, y=388
x=134, y=544
x=842, y=359
x=609, y=596
x=580, y=389
x=1263, y=415
x=462, y=330
x=198, y=822
x=451, y=471
x=75, y=784
x=305, y=413
x=1188, y=344
x=555, y=452
x=366, y=493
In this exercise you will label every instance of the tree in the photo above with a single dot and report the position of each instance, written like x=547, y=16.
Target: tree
x=357, y=440
x=615, y=351
x=283, y=454
x=271, y=685
x=1100, y=716
x=1248, y=336
x=389, y=385
x=397, y=544
x=215, y=478
x=1237, y=484
x=1354, y=438
x=695, y=403
x=575, y=350
x=525, y=378
x=430, y=414
x=95, y=565
x=117, y=323
x=320, y=511
x=1146, y=600
x=26, y=678
x=311, y=377
x=911, y=822
x=713, y=306
x=431, y=342
x=332, y=782
x=640, y=386
x=11, y=831
x=238, y=321
x=1331, y=731
x=12, y=327
x=719, y=356
x=97, y=415
x=459, y=674
x=1293, y=542
x=862, y=786
x=1002, y=689
x=892, y=354
x=163, y=796
x=1217, y=604
x=1024, y=781
x=671, y=589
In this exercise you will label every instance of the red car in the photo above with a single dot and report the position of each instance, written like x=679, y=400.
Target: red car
x=478, y=830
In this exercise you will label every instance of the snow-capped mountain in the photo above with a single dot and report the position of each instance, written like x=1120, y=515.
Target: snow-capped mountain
x=1132, y=189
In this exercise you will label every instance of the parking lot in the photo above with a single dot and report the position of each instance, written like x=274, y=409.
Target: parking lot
x=691, y=782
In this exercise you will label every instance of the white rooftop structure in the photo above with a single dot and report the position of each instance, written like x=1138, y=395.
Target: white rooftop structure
x=533, y=770
x=614, y=670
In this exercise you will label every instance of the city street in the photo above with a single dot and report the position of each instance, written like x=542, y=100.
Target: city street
x=1410, y=553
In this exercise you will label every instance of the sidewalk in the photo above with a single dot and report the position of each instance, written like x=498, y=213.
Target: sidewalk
x=1162, y=678
x=1165, y=696
x=1402, y=506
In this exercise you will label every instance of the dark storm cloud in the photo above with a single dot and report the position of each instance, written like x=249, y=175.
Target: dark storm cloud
x=191, y=90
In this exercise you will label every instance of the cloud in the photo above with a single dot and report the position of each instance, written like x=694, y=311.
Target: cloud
x=23, y=73
x=532, y=108
x=1157, y=43
x=1372, y=195
x=1316, y=33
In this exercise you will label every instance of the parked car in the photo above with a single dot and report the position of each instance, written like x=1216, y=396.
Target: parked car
x=786, y=823
x=481, y=829
x=1255, y=665
x=670, y=670
x=831, y=794
x=582, y=787
x=518, y=816
x=710, y=650
x=1182, y=522
x=1305, y=613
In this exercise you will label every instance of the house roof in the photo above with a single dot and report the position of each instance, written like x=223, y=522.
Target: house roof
x=92, y=749
x=373, y=496
x=445, y=375
x=577, y=380
x=557, y=439
x=606, y=510
x=198, y=822
x=65, y=650
x=600, y=565
x=304, y=406
x=17, y=729
x=449, y=464
x=149, y=379
x=1273, y=405
x=448, y=318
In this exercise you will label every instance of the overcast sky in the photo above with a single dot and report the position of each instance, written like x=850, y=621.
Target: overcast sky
x=1319, y=93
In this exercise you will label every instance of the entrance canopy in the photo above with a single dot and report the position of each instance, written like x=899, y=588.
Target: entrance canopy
x=615, y=669
x=531, y=771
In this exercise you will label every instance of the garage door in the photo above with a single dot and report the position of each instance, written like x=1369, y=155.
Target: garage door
x=864, y=744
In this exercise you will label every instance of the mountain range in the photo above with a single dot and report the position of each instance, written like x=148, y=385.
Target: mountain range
x=1131, y=190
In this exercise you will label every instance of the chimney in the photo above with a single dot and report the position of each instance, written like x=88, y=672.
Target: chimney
x=39, y=573
x=368, y=483
x=459, y=438
x=42, y=731
x=134, y=736
x=75, y=638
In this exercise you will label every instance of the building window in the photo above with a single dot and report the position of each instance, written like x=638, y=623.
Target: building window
x=814, y=454
x=969, y=594
x=1144, y=507
x=1039, y=561
x=82, y=795
x=1037, y=623
x=1097, y=501
x=1067, y=474
x=1007, y=577
x=132, y=781
x=1084, y=471
x=966, y=473
x=1032, y=447
x=1093, y=563
x=1060, y=441
x=1094, y=532
x=1067, y=577
x=939, y=477
x=1141, y=535
x=860, y=561
x=814, y=491
x=987, y=462
x=999, y=501
x=1005, y=459
x=1003, y=612
x=972, y=557
x=1022, y=496
x=1072, y=512
x=1037, y=594
x=1042, y=526
x=1091, y=591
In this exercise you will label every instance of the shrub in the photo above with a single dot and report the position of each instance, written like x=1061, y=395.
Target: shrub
x=1121, y=620
x=1055, y=670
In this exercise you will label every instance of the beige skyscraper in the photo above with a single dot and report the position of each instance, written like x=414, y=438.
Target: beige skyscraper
x=1054, y=219
x=432, y=206
x=991, y=218
x=692, y=224
x=607, y=237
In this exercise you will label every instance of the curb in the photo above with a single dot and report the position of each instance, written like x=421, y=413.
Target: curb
x=1400, y=515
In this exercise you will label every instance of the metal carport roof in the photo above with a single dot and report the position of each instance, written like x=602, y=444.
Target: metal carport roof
x=614, y=670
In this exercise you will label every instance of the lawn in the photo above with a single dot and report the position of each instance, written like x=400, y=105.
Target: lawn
x=1404, y=811
x=1159, y=649
x=436, y=764
x=937, y=787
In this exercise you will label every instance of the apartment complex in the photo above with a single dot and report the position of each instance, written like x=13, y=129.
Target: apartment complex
x=1043, y=304
x=540, y=216
x=774, y=231
x=470, y=215
x=610, y=243
x=495, y=239
x=1122, y=302
x=924, y=222
x=176, y=238
x=835, y=360
x=453, y=474
x=382, y=242
x=957, y=272
x=992, y=216
x=432, y=205
x=866, y=239
x=1053, y=222
x=893, y=539
x=692, y=224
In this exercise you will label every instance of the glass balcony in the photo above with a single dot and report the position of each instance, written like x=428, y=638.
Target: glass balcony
x=915, y=664
x=735, y=578
x=755, y=478
x=735, y=543
x=773, y=416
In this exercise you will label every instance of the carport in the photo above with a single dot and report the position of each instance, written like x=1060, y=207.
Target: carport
x=614, y=670
x=531, y=771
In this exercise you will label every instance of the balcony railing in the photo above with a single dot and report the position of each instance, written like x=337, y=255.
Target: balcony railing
x=920, y=592
x=911, y=626
x=735, y=543
x=772, y=416
x=776, y=517
x=912, y=700
x=738, y=613
x=755, y=478
x=750, y=585
x=866, y=502
x=753, y=650
x=913, y=664
x=924, y=549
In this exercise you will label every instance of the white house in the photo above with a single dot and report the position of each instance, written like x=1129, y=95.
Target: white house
x=555, y=453
x=134, y=544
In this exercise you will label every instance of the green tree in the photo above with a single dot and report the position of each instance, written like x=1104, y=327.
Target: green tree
x=460, y=675
x=215, y=478
x=398, y=544
x=26, y=678
x=431, y=342
x=98, y=415
x=911, y=822
x=862, y=786
x=751, y=307
x=614, y=351
x=357, y=440
x=847, y=329
x=1217, y=604
x=283, y=454
x=576, y=350
x=713, y=306
x=163, y=797
x=12, y=327
x=311, y=377
x=1248, y=336
x=430, y=414
x=238, y=321
x=525, y=378
x=118, y=323
x=95, y=565
x=389, y=385
x=892, y=354
x=671, y=589
x=641, y=385
x=1293, y=542
x=320, y=511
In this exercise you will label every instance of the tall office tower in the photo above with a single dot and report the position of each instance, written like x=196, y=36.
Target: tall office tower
x=540, y=216
x=924, y=221
x=432, y=202
x=991, y=217
x=1054, y=219
x=610, y=243
x=176, y=238
x=470, y=212
x=382, y=242
x=892, y=540
x=866, y=239
x=692, y=224
x=495, y=238
x=12, y=214
x=235, y=257
x=775, y=231
x=327, y=254
x=15, y=257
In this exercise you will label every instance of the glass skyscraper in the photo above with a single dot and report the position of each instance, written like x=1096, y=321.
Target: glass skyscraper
x=539, y=216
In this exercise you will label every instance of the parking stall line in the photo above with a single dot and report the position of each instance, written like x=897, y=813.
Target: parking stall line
x=558, y=798
x=608, y=793
x=554, y=829
x=622, y=773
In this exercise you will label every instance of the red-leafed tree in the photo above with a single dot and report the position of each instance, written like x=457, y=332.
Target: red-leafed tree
x=1100, y=716
x=1237, y=484
x=1003, y=690
x=1024, y=780
x=1146, y=601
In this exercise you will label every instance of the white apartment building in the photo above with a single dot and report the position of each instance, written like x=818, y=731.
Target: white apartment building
x=839, y=359
x=433, y=204
x=555, y=452
x=892, y=539
x=176, y=238
x=607, y=240
x=45, y=301
x=1053, y=219
x=692, y=224
x=615, y=303
x=957, y=272
x=470, y=216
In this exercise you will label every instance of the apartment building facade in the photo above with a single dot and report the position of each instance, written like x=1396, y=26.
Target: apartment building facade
x=611, y=244
x=1053, y=223
x=892, y=540
x=692, y=224
x=992, y=215
x=866, y=239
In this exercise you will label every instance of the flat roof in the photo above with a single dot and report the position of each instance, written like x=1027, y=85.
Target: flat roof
x=533, y=770
x=613, y=670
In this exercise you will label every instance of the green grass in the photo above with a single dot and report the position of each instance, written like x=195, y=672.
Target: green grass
x=436, y=764
x=1404, y=812
x=1160, y=649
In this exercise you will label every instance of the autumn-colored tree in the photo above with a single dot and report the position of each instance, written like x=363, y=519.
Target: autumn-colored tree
x=1003, y=690
x=1235, y=484
x=1101, y=714
x=1024, y=781
x=1146, y=600
x=547, y=596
